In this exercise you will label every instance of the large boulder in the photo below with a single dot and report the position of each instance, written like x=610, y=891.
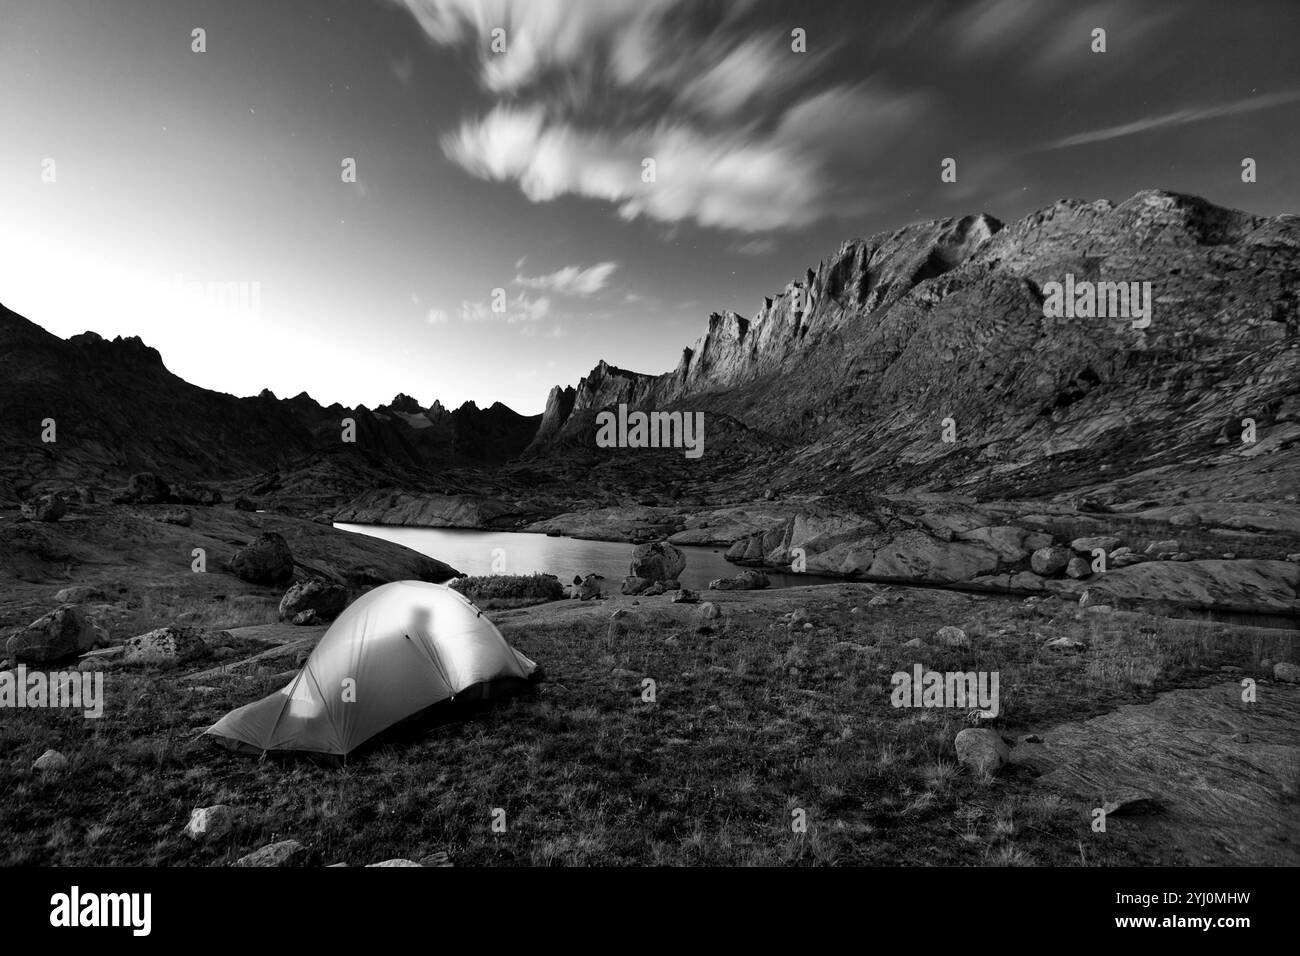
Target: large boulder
x=1048, y=561
x=917, y=556
x=325, y=598
x=747, y=580
x=658, y=561
x=1214, y=585
x=50, y=507
x=165, y=645
x=63, y=633
x=145, y=488
x=267, y=560
x=1006, y=541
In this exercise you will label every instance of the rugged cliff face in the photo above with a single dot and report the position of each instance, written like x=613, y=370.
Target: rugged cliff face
x=864, y=366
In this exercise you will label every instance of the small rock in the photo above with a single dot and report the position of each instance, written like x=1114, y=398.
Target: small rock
x=709, y=611
x=684, y=596
x=747, y=580
x=982, y=749
x=634, y=585
x=177, y=516
x=145, y=488
x=44, y=508
x=306, y=618
x=394, y=862
x=1078, y=568
x=284, y=853
x=586, y=588
x=50, y=762
x=877, y=601
x=914, y=642
x=326, y=598
x=79, y=594
x=952, y=636
x=1156, y=547
x=1286, y=671
x=655, y=589
x=1031, y=739
x=1065, y=644
x=210, y=823
x=855, y=610
x=267, y=560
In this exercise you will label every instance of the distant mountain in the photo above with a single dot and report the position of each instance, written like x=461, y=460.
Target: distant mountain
x=854, y=367
x=847, y=380
x=118, y=410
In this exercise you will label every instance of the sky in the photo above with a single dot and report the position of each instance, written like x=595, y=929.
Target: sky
x=503, y=231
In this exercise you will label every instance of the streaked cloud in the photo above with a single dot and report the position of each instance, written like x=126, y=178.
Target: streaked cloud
x=1177, y=118
x=745, y=179
x=571, y=280
x=522, y=308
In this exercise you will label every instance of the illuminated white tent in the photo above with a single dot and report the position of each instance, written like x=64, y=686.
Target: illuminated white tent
x=396, y=651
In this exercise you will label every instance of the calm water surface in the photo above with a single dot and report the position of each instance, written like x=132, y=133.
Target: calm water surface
x=474, y=552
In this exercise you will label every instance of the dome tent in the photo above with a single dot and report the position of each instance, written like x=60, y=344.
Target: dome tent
x=396, y=651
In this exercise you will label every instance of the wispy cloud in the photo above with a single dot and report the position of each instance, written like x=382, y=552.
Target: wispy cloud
x=540, y=35
x=746, y=179
x=521, y=308
x=1177, y=118
x=739, y=134
x=571, y=280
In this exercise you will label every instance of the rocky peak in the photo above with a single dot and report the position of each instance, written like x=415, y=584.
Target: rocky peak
x=405, y=403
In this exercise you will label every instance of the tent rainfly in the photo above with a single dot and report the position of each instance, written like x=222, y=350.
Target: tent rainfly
x=396, y=651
